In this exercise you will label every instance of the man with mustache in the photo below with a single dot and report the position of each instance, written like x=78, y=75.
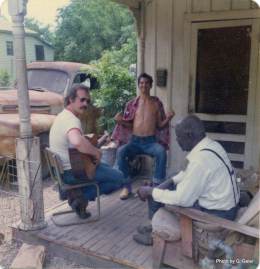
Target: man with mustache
x=66, y=132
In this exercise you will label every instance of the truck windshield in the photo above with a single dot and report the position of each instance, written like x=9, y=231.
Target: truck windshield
x=51, y=80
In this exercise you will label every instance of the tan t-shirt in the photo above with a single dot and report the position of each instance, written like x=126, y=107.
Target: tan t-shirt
x=59, y=142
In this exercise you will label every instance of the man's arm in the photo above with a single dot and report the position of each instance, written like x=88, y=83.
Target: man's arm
x=82, y=144
x=120, y=120
x=162, y=123
x=188, y=190
x=166, y=184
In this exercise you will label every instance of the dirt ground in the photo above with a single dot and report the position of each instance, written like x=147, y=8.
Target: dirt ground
x=10, y=213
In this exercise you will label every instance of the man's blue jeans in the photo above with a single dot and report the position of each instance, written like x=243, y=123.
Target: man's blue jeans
x=108, y=179
x=143, y=145
x=225, y=214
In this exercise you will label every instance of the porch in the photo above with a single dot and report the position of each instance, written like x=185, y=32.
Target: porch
x=106, y=243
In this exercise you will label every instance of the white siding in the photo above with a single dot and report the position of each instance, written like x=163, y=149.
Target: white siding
x=201, y=5
x=150, y=40
x=167, y=45
x=163, y=50
x=220, y=5
x=30, y=43
x=241, y=4
x=198, y=6
x=7, y=62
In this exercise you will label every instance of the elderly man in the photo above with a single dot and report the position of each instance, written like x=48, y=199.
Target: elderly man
x=144, y=130
x=66, y=132
x=208, y=183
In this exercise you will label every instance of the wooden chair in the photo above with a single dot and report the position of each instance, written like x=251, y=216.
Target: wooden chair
x=182, y=254
x=56, y=172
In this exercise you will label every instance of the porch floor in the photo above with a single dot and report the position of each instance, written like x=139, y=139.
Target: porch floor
x=110, y=238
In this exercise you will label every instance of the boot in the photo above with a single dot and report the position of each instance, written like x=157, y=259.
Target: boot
x=143, y=239
x=79, y=207
x=143, y=229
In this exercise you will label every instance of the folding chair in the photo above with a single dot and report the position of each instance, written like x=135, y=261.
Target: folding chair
x=56, y=172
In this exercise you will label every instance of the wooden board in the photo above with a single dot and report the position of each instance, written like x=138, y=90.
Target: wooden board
x=204, y=217
x=252, y=210
x=110, y=238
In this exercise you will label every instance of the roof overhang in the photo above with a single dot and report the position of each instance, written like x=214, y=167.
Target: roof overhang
x=133, y=4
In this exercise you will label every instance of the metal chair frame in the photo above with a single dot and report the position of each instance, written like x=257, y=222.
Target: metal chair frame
x=56, y=172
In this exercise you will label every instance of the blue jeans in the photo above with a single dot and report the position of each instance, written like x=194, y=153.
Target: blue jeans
x=143, y=145
x=225, y=214
x=107, y=178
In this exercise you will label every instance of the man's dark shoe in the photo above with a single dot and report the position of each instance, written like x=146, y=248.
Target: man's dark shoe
x=79, y=207
x=143, y=229
x=143, y=239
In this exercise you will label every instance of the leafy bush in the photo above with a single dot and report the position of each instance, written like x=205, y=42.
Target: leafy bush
x=117, y=87
x=4, y=78
x=102, y=31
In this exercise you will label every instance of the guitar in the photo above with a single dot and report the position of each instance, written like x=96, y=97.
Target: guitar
x=84, y=162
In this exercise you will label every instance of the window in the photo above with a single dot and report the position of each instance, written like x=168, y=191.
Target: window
x=53, y=80
x=39, y=53
x=9, y=48
x=222, y=78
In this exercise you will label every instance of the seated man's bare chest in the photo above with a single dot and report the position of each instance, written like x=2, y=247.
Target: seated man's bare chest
x=145, y=118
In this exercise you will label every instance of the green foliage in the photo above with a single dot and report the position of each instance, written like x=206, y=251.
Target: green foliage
x=117, y=85
x=85, y=28
x=44, y=32
x=89, y=30
x=4, y=78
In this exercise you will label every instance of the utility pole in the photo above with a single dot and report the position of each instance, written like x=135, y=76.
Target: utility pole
x=27, y=147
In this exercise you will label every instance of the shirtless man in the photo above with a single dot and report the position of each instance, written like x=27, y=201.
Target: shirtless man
x=146, y=122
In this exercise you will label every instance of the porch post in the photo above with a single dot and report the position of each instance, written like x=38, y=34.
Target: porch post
x=139, y=15
x=27, y=147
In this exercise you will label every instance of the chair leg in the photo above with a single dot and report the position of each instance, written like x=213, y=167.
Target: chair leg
x=158, y=251
x=98, y=201
x=77, y=222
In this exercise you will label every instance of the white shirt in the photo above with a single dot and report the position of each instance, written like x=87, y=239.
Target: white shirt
x=59, y=142
x=206, y=180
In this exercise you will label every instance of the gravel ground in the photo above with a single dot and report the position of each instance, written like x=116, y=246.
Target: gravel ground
x=9, y=209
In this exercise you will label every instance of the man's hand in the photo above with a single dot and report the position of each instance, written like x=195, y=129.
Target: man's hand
x=118, y=117
x=170, y=115
x=144, y=192
x=166, y=184
x=98, y=157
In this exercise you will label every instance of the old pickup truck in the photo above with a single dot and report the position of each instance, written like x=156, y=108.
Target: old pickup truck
x=48, y=82
x=58, y=77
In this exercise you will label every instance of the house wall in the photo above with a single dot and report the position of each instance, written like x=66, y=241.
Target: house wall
x=7, y=62
x=30, y=43
x=166, y=33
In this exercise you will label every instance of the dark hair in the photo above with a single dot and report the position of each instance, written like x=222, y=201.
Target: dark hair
x=72, y=93
x=148, y=77
x=192, y=124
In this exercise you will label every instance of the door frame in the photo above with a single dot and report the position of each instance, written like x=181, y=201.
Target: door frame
x=191, y=41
